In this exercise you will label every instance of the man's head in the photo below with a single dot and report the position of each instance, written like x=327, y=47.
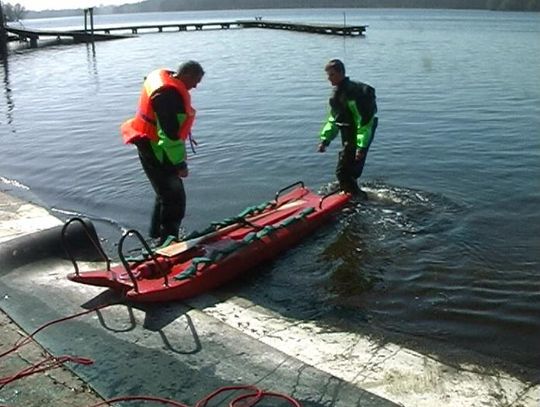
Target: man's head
x=335, y=69
x=190, y=73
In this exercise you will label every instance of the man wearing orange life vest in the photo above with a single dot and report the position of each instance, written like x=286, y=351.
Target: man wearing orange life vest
x=159, y=130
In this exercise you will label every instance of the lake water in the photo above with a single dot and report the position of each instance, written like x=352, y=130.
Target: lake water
x=447, y=249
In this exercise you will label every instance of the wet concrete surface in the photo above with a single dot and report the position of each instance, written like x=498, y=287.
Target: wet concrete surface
x=55, y=387
x=185, y=350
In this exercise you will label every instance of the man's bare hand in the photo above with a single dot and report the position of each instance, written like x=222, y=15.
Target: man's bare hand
x=183, y=173
x=359, y=154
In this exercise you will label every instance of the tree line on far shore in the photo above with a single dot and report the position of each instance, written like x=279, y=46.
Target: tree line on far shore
x=14, y=12
x=181, y=5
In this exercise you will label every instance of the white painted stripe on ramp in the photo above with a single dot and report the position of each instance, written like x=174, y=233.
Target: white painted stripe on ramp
x=401, y=375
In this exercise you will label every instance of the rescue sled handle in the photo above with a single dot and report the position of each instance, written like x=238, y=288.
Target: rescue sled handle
x=278, y=193
x=148, y=251
x=327, y=196
x=301, y=184
x=96, y=245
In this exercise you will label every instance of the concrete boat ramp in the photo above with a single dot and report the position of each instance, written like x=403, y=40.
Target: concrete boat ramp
x=185, y=350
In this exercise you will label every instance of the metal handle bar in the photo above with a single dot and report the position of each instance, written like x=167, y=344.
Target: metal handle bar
x=326, y=196
x=148, y=250
x=96, y=245
x=278, y=193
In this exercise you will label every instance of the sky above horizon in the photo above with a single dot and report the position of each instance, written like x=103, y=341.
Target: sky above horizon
x=39, y=5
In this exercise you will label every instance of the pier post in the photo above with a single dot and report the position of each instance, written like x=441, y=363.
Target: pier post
x=90, y=12
x=3, y=33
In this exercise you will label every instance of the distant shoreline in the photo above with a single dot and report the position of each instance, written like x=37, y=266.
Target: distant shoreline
x=217, y=5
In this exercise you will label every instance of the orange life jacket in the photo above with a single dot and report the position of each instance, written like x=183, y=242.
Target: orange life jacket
x=144, y=124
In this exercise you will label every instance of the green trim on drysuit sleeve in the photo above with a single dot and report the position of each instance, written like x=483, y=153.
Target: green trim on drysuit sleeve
x=329, y=130
x=363, y=133
x=175, y=150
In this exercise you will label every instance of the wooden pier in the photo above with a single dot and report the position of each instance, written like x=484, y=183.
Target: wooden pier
x=105, y=33
x=330, y=29
x=142, y=28
x=25, y=34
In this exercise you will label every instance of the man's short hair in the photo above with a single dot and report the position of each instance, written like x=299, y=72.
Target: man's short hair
x=190, y=68
x=336, y=65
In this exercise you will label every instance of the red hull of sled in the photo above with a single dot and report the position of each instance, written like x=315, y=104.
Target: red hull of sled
x=288, y=223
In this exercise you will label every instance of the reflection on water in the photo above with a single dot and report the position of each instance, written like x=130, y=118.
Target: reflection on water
x=10, y=106
x=92, y=60
x=394, y=224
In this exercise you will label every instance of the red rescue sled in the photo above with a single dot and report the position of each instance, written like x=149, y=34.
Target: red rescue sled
x=219, y=254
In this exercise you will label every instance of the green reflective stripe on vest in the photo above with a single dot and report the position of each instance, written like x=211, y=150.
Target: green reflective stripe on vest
x=181, y=118
x=363, y=133
x=329, y=130
x=175, y=150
